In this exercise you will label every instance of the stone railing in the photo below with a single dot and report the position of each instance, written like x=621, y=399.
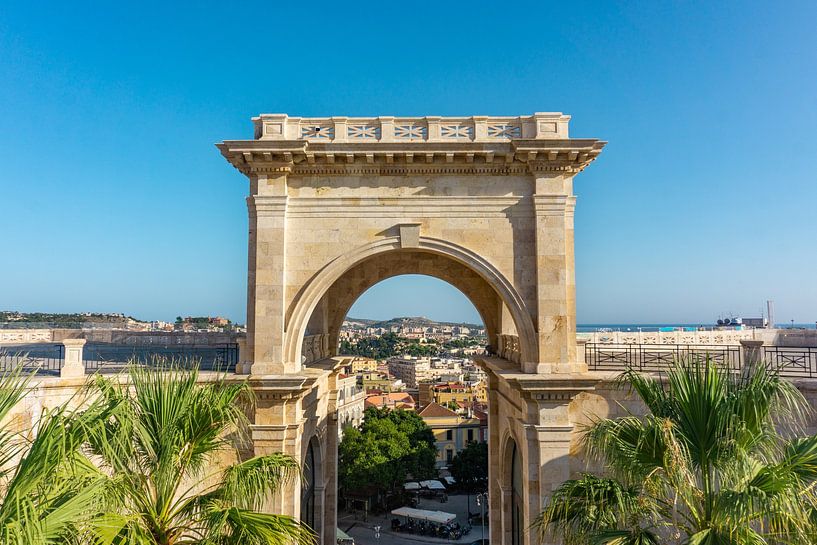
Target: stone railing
x=508, y=348
x=711, y=337
x=22, y=336
x=539, y=126
x=314, y=348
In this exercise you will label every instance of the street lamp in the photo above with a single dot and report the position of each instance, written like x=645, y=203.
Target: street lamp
x=482, y=499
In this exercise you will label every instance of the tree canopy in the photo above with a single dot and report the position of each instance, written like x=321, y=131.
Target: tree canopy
x=159, y=451
x=470, y=467
x=49, y=492
x=389, y=446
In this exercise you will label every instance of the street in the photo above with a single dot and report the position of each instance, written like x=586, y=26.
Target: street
x=363, y=531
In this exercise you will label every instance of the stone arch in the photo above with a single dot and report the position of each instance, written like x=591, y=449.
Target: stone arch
x=312, y=488
x=512, y=490
x=313, y=292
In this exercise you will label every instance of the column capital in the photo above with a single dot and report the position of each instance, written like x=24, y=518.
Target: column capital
x=556, y=204
x=266, y=206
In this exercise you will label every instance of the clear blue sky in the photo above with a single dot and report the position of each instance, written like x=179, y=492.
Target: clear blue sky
x=114, y=198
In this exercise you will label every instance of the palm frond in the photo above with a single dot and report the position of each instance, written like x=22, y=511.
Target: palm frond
x=582, y=508
x=248, y=484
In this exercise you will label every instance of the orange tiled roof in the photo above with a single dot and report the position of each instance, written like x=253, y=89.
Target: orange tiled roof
x=436, y=410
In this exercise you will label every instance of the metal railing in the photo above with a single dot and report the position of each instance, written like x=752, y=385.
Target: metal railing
x=110, y=358
x=46, y=359
x=655, y=357
x=792, y=362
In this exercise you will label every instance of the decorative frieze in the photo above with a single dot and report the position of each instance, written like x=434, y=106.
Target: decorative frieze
x=539, y=126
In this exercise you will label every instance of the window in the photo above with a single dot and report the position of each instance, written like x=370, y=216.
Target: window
x=470, y=435
x=449, y=435
x=449, y=455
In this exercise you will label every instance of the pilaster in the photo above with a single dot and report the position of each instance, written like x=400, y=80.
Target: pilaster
x=266, y=273
x=554, y=206
x=278, y=427
x=330, y=496
x=547, y=437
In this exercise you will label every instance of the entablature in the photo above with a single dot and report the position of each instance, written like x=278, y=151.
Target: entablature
x=516, y=157
x=385, y=146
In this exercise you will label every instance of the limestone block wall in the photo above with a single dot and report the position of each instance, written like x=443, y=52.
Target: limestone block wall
x=607, y=400
x=491, y=216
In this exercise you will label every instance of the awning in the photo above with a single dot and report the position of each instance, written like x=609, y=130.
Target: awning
x=432, y=485
x=411, y=486
x=450, y=480
x=438, y=517
x=441, y=517
x=409, y=512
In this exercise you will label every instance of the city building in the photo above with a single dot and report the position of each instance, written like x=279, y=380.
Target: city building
x=351, y=403
x=394, y=400
x=410, y=370
x=360, y=364
x=380, y=381
x=452, y=432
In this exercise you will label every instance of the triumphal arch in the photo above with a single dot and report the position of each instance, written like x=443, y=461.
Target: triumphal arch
x=485, y=203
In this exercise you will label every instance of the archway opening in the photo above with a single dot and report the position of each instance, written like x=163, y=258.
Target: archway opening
x=408, y=344
x=309, y=479
x=317, y=318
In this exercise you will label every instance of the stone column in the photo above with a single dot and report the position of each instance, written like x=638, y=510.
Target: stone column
x=73, y=365
x=548, y=431
x=330, y=467
x=279, y=427
x=581, y=359
x=495, y=485
x=243, y=365
x=555, y=271
x=551, y=440
x=266, y=274
x=752, y=351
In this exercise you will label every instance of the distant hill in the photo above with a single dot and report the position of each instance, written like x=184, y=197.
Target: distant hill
x=13, y=319
x=12, y=316
x=407, y=321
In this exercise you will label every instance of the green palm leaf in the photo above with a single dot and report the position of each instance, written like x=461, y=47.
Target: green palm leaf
x=713, y=461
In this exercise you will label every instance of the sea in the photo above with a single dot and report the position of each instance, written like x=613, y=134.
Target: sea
x=590, y=328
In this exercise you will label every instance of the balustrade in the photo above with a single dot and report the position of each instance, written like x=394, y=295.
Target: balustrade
x=315, y=348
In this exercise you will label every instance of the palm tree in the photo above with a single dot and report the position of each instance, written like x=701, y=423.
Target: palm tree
x=159, y=451
x=714, y=461
x=48, y=489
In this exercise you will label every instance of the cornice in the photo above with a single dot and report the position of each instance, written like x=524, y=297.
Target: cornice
x=305, y=158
